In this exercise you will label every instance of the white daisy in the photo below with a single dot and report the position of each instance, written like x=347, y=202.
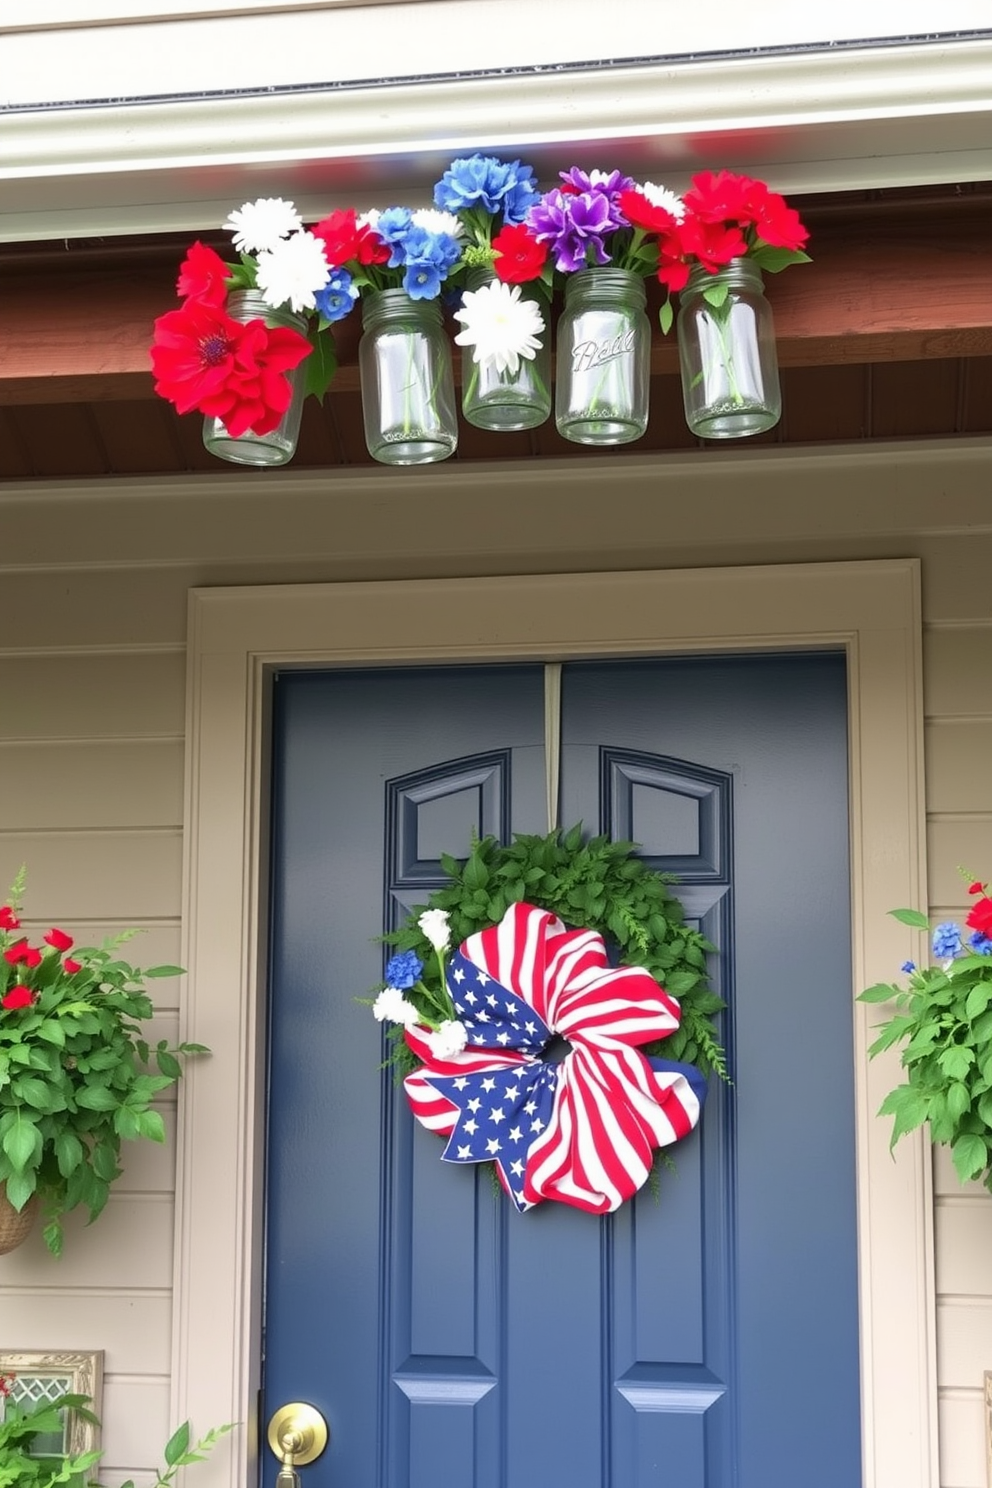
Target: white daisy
x=259, y=225
x=369, y=218
x=434, y=924
x=438, y=222
x=448, y=1039
x=500, y=325
x=660, y=196
x=293, y=271
x=392, y=1007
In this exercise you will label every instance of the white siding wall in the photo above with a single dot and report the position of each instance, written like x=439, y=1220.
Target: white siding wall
x=93, y=584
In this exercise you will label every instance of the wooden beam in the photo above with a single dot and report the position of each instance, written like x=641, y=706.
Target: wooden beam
x=890, y=282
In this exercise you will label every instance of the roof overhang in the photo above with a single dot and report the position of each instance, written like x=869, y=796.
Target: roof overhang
x=812, y=120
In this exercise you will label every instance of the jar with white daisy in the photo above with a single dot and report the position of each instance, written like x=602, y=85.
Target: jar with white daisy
x=506, y=364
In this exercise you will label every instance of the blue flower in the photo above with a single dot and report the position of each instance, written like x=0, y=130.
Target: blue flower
x=505, y=186
x=980, y=944
x=946, y=940
x=403, y=970
x=338, y=295
x=908, y=966
x=392, y=227
x=422, y=280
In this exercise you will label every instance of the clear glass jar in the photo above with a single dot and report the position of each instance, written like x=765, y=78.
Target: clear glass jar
x=279, y=445
x=508, y=400
x=603, y=358
x=408, y=390
x=727, y=354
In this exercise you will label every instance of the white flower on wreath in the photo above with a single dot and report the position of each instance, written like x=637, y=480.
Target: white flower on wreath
x=434, y=924
x=500, y=325
x=293, y=271
x=448, y=1039
x=392, y=1007
x=259, y=225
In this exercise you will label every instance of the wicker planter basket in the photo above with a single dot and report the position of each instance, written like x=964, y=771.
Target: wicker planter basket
x=15, y=1227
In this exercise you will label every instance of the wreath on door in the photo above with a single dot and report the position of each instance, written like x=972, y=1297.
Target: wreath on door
x=549, y=1013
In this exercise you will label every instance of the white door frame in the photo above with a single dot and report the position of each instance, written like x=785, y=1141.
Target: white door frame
x=238, y=636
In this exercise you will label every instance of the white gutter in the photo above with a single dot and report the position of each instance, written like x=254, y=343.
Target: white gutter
x=806, y=121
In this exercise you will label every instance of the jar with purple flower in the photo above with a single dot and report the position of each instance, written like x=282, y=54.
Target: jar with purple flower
x=603, y=358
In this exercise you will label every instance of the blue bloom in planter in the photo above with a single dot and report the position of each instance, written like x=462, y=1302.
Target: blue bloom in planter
x=338, y=295
x=946, y=940
x=980, y=944
x=403, y=970
x=908, y=966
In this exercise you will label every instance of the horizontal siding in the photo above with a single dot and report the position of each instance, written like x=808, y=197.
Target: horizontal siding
x=91, y=781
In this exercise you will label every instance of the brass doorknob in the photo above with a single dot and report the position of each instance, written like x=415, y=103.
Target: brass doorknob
x=297, y=1434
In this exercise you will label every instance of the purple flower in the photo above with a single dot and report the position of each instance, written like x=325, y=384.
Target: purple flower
x=575, y=227
x=403, y=970
x=609, y=182
x=496, y=186
x=946, y=940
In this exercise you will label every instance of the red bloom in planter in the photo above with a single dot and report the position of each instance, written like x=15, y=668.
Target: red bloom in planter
x=71, y=966
x=203, y=276
x=712, y=243
x=8, y=919
x=775, y=222
x=21, y=952
x=236, y=372
x=719, y=197
x=520, y=257
x=640, y=211
x=980, y=916
x=59, y=939
x=17, y=997
x=344, y=241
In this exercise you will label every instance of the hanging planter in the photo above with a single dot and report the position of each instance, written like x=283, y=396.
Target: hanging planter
x=15, y=1224
x=408, y=389
x=604, y=358
x=726, y=337
x=261, y=445
x=501, y=390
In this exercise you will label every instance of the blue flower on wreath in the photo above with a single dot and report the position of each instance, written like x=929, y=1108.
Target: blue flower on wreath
x=404, y=970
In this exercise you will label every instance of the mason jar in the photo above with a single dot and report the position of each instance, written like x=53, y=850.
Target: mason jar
x=508, y=400
x=279, y=445
x=727, y=355
x=603, y=358
x=408, y=389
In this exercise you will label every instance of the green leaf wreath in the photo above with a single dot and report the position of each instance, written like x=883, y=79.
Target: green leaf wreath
x=595, y=885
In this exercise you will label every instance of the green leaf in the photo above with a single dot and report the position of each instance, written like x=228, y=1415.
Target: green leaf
x=970, y=1155
x=33, y=1092
x=322, y=363
x=164, y=971
x=911, y=917
x=716, y=295
x=177, y=1445
x=909, y=1106
x=68, y=1152
x=20, y=1187
x=22, y=1143
x=977, y=1001
x=774, y=260
x=958, y=1100
x=956, y=1062
x=666, y=317
x=97, y=1098
x=151, y=1125
x=880, y=992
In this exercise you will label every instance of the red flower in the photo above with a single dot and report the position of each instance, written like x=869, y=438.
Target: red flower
x=59, y=939
x=520, y=257
x=718, y=197
x=980, y=916
x=8, y=919
x=18, y=997
x=6, y=1380
x=71, y=966
x=775, y=222
x=203, y=276
x=345, y=241
x=205, y=360
x=20, y=951
x=712, y=243
x=641, y=212
x=973, y=888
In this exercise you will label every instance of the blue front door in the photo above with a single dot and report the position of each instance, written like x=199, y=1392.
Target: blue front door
x=704, y=1336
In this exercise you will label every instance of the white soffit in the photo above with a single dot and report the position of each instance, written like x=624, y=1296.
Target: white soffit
x=806, y=120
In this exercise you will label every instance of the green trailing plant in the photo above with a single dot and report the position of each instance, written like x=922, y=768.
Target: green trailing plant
x=594, y=884
x=944, y=1018
x=74, y=1067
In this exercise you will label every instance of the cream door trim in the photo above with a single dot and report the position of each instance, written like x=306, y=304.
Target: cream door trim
x=238, y=635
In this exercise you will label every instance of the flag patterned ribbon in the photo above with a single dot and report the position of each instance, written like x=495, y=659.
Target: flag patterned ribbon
x=581, y=1130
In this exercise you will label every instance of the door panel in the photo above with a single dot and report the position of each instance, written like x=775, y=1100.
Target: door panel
x=693, y=1337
